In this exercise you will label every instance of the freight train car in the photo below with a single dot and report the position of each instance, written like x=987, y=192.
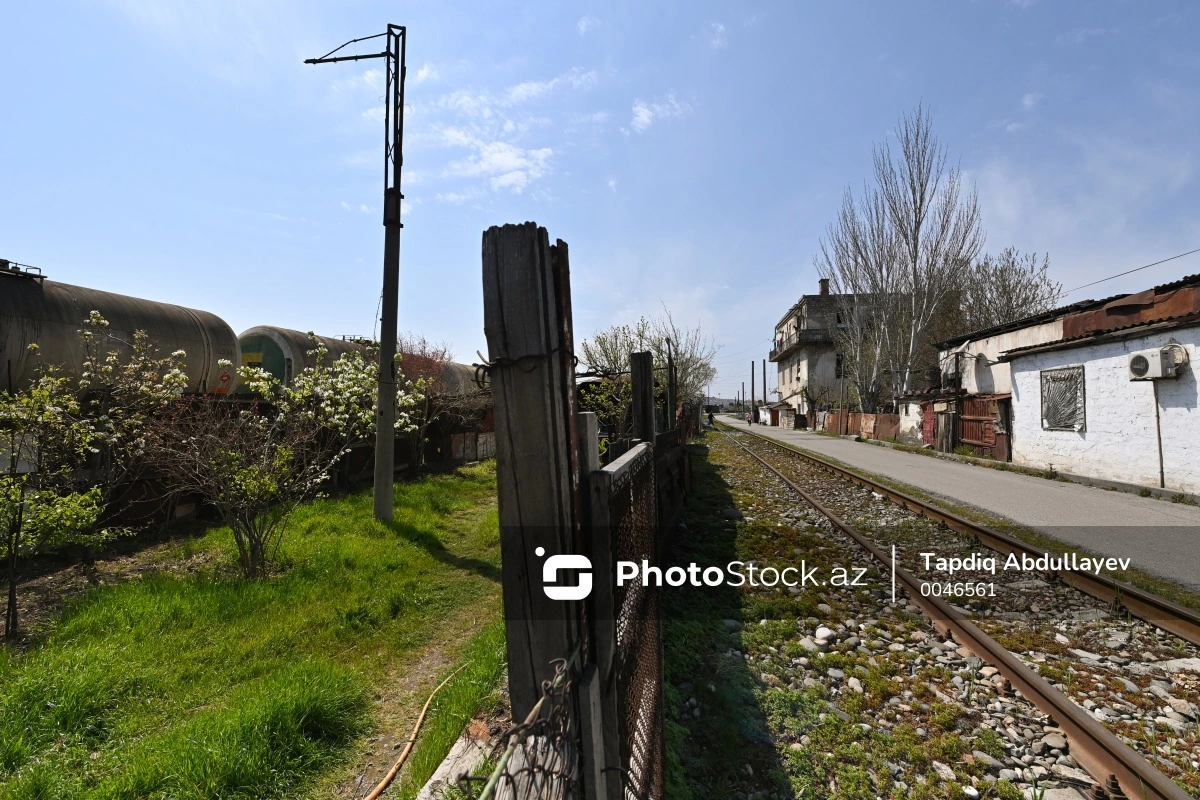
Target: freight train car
x=285, y=353
x=34, y=310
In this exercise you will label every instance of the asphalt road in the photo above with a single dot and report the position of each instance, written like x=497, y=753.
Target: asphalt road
x=1159, y=536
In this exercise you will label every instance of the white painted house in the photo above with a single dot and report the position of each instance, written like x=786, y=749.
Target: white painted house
x=1088, y=404
x=971, y=403
x=1077, y=409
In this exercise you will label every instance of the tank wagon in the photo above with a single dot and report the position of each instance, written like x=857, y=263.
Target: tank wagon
x=457, y=379
x=35, y=310
x=284, y=353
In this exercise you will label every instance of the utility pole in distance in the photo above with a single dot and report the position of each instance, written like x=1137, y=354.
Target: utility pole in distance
x=393, y=162
x=764, y=365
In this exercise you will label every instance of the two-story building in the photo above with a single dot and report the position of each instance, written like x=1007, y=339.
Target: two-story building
x=804, y=352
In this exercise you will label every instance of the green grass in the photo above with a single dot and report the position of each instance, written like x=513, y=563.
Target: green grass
x=706, y=758
x=207, y=685
x=454, y=706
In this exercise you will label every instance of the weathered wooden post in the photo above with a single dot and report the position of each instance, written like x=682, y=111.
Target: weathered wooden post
x=671, y=391
x=526, y=302
x=641, y=375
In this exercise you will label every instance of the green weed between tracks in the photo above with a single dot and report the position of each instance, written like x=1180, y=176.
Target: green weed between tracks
x=206, y=685
x=760, y=731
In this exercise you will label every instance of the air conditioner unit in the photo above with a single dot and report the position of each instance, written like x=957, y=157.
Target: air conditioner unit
x=1151, y=365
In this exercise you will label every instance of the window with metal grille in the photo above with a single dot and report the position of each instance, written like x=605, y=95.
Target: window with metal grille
x=1063, y=399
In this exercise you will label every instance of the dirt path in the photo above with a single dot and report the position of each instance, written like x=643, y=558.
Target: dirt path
x=396, y=708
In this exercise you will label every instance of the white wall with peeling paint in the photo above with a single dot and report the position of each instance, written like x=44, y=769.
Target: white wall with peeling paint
x=977, y=358
x=1119, y=442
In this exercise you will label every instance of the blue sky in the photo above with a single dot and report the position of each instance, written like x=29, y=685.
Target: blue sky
x=690, y=153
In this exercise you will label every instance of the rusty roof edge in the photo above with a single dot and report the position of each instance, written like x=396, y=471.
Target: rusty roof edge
x=1072, y=308
x=1024, y=322
x=1109, y=335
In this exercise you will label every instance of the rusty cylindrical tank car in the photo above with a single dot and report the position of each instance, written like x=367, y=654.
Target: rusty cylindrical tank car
x=34, y=310
x=284, y=353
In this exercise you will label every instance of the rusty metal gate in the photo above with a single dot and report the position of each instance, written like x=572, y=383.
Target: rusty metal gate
x=982, y=425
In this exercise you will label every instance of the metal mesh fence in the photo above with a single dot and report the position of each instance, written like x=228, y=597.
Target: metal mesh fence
x=639, y=662
x=540, y=759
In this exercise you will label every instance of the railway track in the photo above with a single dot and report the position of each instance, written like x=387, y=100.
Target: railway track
x=1100, y=745
x=1160, y=612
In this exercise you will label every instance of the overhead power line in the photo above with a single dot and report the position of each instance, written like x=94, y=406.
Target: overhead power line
x=1130, y=271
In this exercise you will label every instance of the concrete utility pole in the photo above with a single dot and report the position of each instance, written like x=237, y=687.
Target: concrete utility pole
x=753, y=394
x=393, y=158
x=764, y=366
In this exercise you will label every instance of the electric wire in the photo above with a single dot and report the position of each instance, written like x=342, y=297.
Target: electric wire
x=1130, y=271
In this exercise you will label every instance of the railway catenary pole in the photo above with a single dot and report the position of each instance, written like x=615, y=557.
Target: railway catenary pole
x=764, y=376
x=753, y=395
x=393, y=162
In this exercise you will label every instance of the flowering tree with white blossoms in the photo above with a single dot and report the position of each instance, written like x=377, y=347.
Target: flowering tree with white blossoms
x=125, y=386
x=255, y=460
x=68, y=446
x=44, y=439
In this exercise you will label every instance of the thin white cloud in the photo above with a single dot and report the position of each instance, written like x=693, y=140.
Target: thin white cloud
x=242, y=42
x=716, y=37
x=585, y=24
x=454, y=136
x=467, y=101
x=612, y=184
x=1079, y=35
x=364, y=158
x=1171, y=97
x=368, y=79
x=529, y=90
x=1031, y=100
x=1098, y=204
x=595, y=118
x=506, y=166
x=457, y=198
x=496, y=134
x=427, y=72
x=646, y=114
x=484, y=104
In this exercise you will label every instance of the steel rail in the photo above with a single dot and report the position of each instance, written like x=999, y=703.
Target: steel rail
x=1158, y=611
x=1114, y=764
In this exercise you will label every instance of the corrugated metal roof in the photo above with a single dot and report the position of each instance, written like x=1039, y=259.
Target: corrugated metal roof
x=1178, y=321
x=1025, y=322
x=1047, y=316
x=1187, y=280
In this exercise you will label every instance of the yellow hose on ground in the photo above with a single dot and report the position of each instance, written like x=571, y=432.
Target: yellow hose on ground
x=412, y=740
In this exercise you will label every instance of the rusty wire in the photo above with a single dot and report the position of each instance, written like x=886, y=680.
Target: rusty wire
x=540, y=760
